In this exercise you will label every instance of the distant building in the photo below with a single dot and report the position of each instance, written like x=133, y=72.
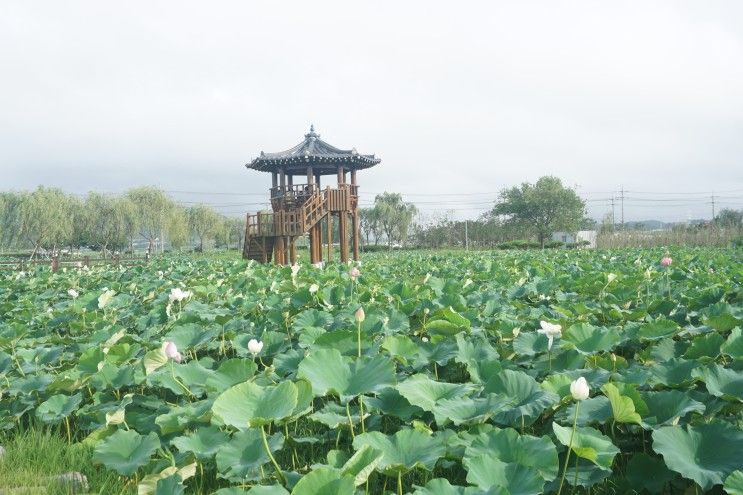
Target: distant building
x=582, y=236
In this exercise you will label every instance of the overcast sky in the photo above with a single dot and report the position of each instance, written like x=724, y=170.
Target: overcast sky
x=455, y=97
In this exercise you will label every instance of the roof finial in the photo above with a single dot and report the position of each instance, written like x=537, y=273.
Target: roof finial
x=312, y=127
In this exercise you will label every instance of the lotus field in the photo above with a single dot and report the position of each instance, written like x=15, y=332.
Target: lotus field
x=433, y=374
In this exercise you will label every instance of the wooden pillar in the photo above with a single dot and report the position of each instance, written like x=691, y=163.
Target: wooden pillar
x=317, y=180
x=341, y=175
x=343, y=232
x=274, y=179
x=290, y=179
x=282, y=177
x=278, y=250
x=329, y=234
x=310, y=175
x=293, y=250
x=287, y=250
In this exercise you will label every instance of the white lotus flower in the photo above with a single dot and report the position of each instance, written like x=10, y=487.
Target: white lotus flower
x=611, y=277
x=171, y=350
x=73, y=293
x=579, y=389
x=550, y=330
x=105, y=298
x=314, y=288
x=295, y=270
x=178, y=294
x=255, y=346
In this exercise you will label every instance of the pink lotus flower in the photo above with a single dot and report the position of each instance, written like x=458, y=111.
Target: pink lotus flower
x=354, y=272
x=666, y=261
x=171, y=350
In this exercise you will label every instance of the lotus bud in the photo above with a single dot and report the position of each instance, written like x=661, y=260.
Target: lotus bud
x=579, y=389
x=171, y=350
x=73, y=293
x=354, y=273
x=314, y=288
x=666, y=261
x=359, y=315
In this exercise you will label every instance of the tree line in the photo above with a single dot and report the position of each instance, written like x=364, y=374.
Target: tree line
x=50, y=220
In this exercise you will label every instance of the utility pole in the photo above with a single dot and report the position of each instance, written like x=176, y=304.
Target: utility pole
x=622, y=198
x=613, y=220
x=713, y=207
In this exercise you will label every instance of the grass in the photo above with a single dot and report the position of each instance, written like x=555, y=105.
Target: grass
x=35, y=453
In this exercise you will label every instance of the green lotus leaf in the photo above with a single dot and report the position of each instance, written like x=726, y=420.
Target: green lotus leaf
x=362, y=463
x=480, y=358
x=153, y=360
x=722, y=382
x=329, y=372
x=588, y=443
x=247, y=404
x=707, y=453
x=672, y=373
x=180, y=418
x=648, y=472
x=668, y=406
x=734, y=483
x=389, y=401
x=658, y=329
x=623, y=409
x=191, y=335
x=705, y=347
x=58, y=407
x=588, y=339
x=441, y=486
x=241, y=458
x=325, y=481
x=126, y=451
x=722, y=317
x=733, y=345
x=421, y=391
x=263, y=490
x=508, y=446
x=468, y=410
x=528, y=400
x=203, y=443
x=486, y=471
x=231, y=372
x=592, y=410
x=531, y=344
x=403, y=451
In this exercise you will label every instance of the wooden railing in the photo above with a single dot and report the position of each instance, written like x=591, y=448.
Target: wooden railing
x=294, y=196
x=297, y=210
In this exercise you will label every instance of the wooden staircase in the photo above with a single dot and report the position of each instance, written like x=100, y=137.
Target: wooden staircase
x=263, y=229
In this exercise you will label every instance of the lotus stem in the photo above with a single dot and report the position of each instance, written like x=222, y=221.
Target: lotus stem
x=279, y=472
x=358, y=335
x=399, y=483
x=361, y=414
x=350, y=421
x=570, y=448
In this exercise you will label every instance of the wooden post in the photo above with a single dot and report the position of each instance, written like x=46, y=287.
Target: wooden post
x=317, y=180
x=329, y=234
x=341, y=176
x=278, y=250
x=293, y=250
x=318, y=236
x=310, y=175
x=287, y=253
x=343, y=232
x=274, y=179
x=55, y=263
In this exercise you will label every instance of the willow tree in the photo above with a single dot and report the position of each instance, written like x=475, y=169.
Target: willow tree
x=111, y=222
x=153, y=210
x=394, y=216
x=203, y=223
x=46, y=219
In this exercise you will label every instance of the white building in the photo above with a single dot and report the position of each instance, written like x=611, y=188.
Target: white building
x=581, y=236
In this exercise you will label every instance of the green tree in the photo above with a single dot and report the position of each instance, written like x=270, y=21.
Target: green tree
x=729, y=219
x=153, y=211
x=111, y=221
x=542, y=208
x=46, y=219
x=394, y=216
x=10, y=218
x=203, y=223
x=177, y=228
